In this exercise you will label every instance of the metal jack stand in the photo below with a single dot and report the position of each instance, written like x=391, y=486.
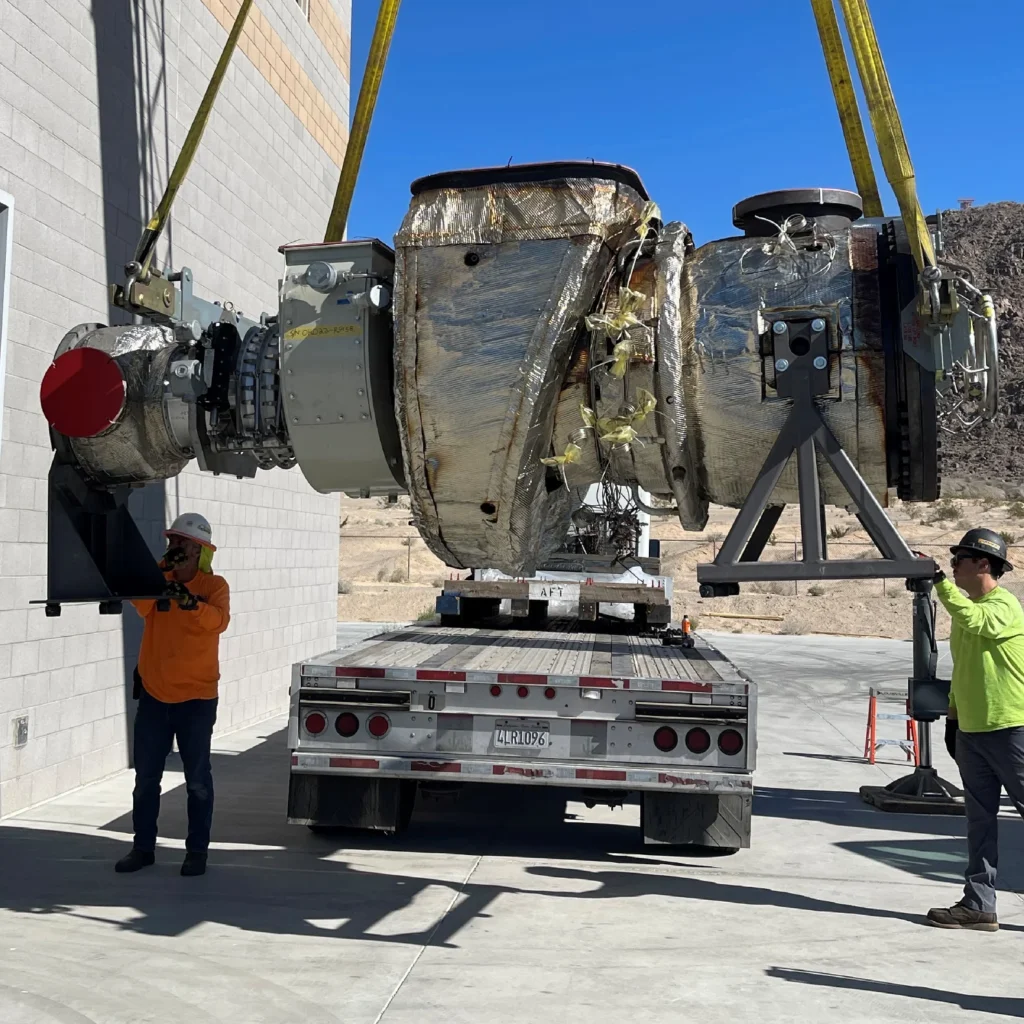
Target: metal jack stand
x=923, y=791
x=802, y=359
x=801, y=356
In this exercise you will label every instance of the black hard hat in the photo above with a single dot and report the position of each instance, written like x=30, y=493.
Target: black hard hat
x=986, y=543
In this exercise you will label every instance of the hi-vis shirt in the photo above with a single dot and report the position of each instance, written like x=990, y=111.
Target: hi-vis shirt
x=987, y=644
x=179, y=659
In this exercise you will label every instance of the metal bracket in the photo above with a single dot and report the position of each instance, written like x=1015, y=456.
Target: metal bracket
x=802, y=374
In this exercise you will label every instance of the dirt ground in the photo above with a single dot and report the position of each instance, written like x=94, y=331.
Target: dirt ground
x=989, y=241
x=384, y=579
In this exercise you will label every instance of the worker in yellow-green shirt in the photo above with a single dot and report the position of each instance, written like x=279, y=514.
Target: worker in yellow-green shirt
x=985, y=727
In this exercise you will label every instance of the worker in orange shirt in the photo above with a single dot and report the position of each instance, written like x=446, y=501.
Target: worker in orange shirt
x=176, y=686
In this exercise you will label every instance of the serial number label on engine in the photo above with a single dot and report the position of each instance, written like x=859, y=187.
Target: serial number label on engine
x=515, y=734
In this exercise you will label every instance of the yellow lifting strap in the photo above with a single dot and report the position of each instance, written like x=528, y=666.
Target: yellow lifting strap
x=383, y=31
x=885, y=121
x=147, y=243
x=846, y=104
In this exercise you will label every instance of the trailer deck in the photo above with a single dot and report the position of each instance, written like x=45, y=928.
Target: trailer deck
x=567, y=649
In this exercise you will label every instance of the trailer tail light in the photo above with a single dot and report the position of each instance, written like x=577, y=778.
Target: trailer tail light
x=730, y=742
x=698, y=741
x=347, y=724
x=523, y=691
x=666, y=739
x=550, y=693
x=378, y=726
x=495, y=690
x=315, y=723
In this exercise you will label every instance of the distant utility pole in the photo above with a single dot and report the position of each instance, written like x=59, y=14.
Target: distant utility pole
x=965, y=204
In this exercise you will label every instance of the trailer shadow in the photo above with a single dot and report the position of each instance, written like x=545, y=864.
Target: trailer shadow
x=510, y=821
x=275, y=878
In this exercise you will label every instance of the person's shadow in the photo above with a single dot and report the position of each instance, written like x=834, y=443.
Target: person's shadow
x=620, y=884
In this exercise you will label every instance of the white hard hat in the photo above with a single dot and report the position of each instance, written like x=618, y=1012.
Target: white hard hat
x=194, y=526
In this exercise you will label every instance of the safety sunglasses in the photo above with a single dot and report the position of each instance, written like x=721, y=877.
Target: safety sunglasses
x=963, y=556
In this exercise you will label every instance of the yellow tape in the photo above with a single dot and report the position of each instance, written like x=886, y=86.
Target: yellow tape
x=147, y=243
x=572, y=454
x=846, y=104
x=322, y=331
x=650, y=212
x=885, y=120
x=620, y=429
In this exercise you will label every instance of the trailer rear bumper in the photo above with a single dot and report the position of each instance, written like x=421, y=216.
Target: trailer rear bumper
x=584, y=776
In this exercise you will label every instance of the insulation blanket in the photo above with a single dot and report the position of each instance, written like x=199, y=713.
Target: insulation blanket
x=732, y=413
x=492, y=285
x=139, y=447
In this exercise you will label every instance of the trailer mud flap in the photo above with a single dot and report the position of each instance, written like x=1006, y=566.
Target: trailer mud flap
x=719, y=820
x=336, y=801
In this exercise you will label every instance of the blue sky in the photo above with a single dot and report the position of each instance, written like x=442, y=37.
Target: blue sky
x=710, y=102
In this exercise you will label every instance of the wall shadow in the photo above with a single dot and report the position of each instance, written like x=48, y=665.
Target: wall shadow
x=131, y=87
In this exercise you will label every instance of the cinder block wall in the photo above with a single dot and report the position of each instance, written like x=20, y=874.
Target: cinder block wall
x=95, y=99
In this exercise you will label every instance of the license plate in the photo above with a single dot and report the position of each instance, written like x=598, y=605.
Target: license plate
x=521, y=735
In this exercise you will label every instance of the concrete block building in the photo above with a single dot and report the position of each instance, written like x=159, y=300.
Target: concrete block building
x=95, y=99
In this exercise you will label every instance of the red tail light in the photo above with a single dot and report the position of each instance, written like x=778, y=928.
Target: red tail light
x=523, y=691
x=347, y=724
x=698, y=741
x=315, y=723
x=666, y=739
x=378, y=726
x=730, y=742
x=495, y=690
x=550, y=693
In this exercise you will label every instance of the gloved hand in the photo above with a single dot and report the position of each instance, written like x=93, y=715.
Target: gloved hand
x=187, y=601
x=173, y=557
x=952, y=728
x=939, y=574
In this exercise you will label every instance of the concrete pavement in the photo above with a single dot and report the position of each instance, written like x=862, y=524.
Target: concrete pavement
x=514, y=906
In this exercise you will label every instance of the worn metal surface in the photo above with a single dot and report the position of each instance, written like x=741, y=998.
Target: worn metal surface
x=336, y=374
x=493, y=283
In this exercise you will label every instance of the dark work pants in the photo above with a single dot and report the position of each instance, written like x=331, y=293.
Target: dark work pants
x=156, y=725
x=989, y=762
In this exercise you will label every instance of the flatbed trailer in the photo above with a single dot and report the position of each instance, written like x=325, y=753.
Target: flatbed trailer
x=592, y=706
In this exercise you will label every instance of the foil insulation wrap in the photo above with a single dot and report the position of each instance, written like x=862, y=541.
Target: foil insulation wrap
x=673, y=344
x=139, y=446
x=492, y=286
x=729, y=290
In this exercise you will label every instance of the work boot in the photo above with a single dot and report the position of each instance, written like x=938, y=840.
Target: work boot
x=134, y=860
x=194, y=864
x=959, y=916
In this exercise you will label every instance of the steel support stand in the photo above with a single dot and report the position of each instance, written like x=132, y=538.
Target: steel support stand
x=923, y=791
x=801, y=356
